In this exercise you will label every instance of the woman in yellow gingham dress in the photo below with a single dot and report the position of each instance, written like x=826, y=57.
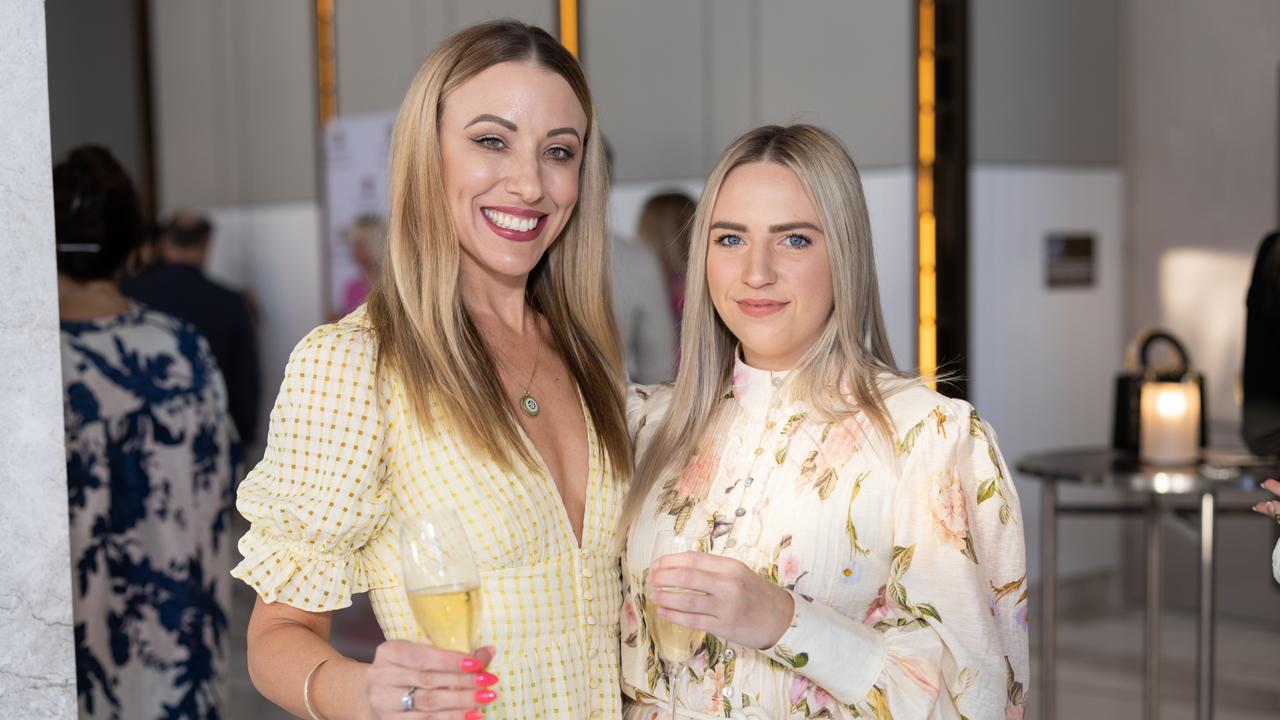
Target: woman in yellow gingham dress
x=498, y=192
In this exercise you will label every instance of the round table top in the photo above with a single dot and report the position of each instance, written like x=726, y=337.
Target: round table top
x=1218, y=469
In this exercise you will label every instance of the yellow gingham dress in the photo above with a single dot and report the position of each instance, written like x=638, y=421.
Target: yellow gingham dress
x=345, y=461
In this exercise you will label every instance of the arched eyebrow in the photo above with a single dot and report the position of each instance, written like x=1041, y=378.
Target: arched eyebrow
x=784, y=227
x=564, y=131
x=493, y=119
x=486, y=117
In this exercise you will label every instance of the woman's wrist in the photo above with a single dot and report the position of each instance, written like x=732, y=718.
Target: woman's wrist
x=784, y=610
x=338, y=690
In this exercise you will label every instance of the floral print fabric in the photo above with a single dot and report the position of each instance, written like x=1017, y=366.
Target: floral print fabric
x=906, y=561
x=151, y=454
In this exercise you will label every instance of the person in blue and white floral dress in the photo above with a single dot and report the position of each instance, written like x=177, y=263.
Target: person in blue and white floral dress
x=861, y=550
x=151, y=454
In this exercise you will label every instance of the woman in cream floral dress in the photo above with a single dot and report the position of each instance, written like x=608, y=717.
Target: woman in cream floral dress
x=862, y=543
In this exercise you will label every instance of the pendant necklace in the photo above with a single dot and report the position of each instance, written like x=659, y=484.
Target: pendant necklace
x=527, y=402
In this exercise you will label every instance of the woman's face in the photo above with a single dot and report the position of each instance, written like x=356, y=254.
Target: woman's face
x=768, y=270
x=511, y=139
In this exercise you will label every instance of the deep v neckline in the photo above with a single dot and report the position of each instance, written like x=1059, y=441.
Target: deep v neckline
x=549, y=480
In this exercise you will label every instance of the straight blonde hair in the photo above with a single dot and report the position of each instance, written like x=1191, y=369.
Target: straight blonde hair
x=848, y=369
x=423, y=331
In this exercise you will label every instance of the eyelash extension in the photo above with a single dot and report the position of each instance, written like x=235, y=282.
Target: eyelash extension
x=807, y=240
x=720, y=240
x=483, y=140
x=568, y=154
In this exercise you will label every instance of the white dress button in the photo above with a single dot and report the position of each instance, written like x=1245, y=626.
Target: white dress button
x=588, y=595
x=727, y=692
x=729, y=655
x=591, y=619
x=586, y=572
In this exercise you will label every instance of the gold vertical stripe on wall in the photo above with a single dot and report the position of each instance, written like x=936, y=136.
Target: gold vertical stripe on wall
x=326, y=70
x=926, y=225
x=569, y=25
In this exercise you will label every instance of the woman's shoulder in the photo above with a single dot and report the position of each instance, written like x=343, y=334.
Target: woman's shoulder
x=911, y=403
x=350, y=341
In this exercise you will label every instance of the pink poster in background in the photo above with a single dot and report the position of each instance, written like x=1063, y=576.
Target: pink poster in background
x=356, y=151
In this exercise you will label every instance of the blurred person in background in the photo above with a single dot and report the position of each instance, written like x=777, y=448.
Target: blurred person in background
x=483, y=377
x=664, y=228
x=860, y=542
x=1261, y=383
x=176, y=284
x=645, y=321
x=151, y=454
x=366, y=238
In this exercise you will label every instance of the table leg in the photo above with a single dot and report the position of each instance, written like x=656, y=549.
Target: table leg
x=1049, y=599
x=1154, y=546
x=1205, y=627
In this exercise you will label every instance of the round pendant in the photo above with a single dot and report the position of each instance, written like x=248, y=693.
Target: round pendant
x=529, y=405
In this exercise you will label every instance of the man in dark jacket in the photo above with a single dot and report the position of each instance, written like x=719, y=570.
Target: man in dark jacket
x=177, y=285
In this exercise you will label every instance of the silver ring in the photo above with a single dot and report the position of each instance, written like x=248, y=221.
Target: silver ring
x=406, y=700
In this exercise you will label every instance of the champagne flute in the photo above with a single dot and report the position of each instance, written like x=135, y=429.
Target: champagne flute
x=675, y=643
x=441, y=580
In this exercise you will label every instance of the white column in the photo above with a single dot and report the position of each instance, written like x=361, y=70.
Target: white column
x=37, y=657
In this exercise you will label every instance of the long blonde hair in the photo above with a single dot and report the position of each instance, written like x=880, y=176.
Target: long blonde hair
x=844, y=372
x=423, y=331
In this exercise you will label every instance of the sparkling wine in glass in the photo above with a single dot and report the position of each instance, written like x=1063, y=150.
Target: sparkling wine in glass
x=675, y=643
x=441, y=579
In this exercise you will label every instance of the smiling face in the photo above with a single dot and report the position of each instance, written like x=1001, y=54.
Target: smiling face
x=768, y=271
x=511, y=141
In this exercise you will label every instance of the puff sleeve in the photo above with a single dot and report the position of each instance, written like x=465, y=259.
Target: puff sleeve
x=317, y=502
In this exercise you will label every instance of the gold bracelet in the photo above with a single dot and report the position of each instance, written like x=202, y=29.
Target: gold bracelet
x=306, y=690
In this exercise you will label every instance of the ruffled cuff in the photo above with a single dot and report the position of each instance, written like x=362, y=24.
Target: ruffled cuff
x=839, y=654
x=299, y=575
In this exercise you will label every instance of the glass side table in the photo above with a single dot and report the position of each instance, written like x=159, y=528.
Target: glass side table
x=1147, y=490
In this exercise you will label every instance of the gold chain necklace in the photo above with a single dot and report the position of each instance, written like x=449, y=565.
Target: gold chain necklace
x=528, y=403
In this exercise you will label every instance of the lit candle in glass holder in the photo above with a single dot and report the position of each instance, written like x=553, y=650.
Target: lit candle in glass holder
x=1170, y=423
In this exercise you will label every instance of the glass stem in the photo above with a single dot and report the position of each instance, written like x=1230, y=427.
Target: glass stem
x=677, y=670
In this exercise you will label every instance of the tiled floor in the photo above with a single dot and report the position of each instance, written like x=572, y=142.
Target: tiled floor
x=1100, y=666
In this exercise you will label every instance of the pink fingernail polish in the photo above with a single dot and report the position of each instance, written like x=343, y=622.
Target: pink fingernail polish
x=486, y=696
x=484, y=679
x=470, y=664
x=473, y=715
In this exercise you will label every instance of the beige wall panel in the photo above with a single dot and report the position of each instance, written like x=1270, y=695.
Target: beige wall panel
x=377, y=52
x=1200, y=133
x=276, y=76
x=192, y=101
x=535, y=12
x=645, y=64
x=1046, y=81
x=847, y=66
x=234, y=102
x=729, y=69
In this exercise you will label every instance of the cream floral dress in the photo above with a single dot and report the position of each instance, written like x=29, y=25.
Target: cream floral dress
x=906, y=563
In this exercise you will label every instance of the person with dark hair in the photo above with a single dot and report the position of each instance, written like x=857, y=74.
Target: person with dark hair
x=177, y=285
x=151, y=454
x=1261, y=406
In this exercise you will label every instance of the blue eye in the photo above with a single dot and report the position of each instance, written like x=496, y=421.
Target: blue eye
x=796, y=241
x=491, y=142
x=730, y=241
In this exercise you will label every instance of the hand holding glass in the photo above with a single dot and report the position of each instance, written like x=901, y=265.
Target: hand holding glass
x=675, y=643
